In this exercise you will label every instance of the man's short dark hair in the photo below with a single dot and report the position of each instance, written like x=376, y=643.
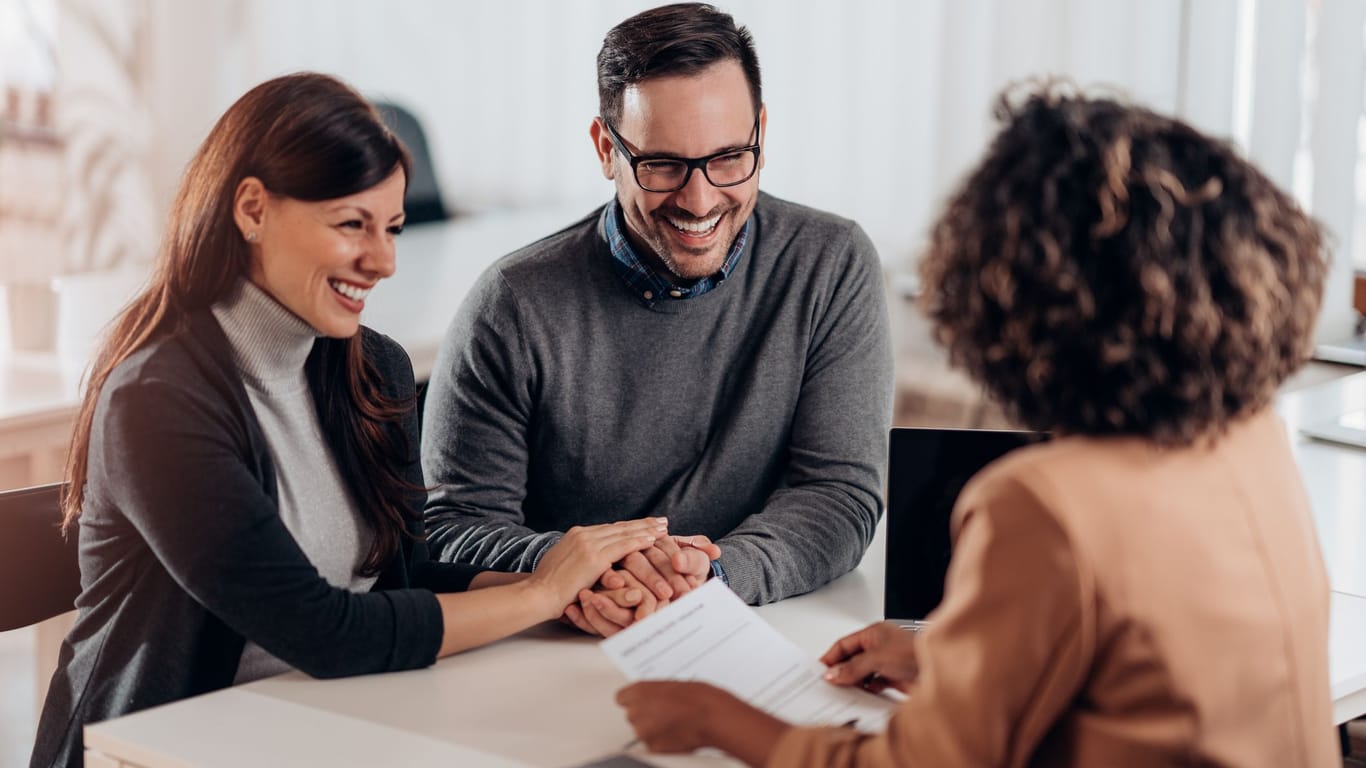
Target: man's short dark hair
x=679, y=39
x=1109, y=270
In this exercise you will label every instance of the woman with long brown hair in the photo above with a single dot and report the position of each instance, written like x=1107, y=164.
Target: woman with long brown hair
x=244, y=470
x=1146, y=588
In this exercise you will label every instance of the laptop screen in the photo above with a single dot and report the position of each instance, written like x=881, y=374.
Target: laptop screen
x=926, y=470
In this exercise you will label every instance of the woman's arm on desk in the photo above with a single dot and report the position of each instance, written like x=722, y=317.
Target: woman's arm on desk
x=502, y=604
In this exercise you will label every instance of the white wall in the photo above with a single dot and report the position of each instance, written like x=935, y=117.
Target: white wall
x=876, y=106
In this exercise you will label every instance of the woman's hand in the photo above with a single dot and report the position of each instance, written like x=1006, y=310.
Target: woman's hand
x=503, y=604
x=606, y=612
x=673, y=716
x=876, y=657
x=585, y=552
x=674, y=566
x=621, y=598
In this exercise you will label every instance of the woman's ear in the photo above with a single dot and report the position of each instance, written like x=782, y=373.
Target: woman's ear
x=249, y=208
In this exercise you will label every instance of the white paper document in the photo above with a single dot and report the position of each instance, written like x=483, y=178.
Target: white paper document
x=711, y=636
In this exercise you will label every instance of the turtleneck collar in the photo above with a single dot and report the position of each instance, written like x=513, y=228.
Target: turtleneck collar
x=269, y=343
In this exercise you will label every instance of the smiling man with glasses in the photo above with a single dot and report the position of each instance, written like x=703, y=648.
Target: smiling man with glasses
x=694, y=349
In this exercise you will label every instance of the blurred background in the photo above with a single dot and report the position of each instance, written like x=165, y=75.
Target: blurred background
x=876, y=108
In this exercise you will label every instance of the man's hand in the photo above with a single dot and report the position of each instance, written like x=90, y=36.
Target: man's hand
x=876, y=657
x=584, y=552
x=672, y=716
x=621, y=597
x=674, y=566
x=606, y=612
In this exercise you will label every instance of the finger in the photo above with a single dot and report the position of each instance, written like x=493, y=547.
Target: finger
x=855, y=670
x=845, y=647
x=610, y=579
x=683, y=582
x=632, y=528
x=692, y=562
x=646, y=610
x=647, y=603
x=667, y=545
x=607, y=534
x=661, y=562
x=600, y=623
x=699, y=542
x=652, y=524
x=611, y=535
x=628, y=596
x=574, y=615
x=613, y=550
x=607, y=605
x=637, y=565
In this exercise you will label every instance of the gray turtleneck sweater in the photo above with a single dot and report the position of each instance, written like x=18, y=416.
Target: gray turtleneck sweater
x=270, y=345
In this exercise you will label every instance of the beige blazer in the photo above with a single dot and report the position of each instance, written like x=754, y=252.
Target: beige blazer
x=1110, y=603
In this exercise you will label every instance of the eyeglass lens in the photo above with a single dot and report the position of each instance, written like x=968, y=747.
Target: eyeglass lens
x=723, y=170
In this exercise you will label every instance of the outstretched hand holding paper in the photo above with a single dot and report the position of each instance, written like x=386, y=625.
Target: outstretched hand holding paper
x=711, y=636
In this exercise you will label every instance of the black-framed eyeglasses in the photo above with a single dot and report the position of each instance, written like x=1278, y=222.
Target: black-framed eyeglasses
x=666, y=173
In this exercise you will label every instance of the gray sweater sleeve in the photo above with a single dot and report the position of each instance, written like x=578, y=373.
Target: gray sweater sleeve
x=474, y=440
x=816, y=527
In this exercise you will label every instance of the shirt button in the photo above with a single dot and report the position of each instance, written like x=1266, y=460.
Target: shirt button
x=649, y=295
x=675, y=293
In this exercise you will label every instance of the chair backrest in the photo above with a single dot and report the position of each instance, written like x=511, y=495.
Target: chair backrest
x=423, y=200
x=39, y=574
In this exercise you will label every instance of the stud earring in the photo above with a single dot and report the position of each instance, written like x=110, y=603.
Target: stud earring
x=251, y=237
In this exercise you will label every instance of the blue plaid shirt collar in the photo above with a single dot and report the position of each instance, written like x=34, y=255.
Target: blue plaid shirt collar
x=646, y=284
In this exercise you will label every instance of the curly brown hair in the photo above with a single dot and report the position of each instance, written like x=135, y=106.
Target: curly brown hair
x=1108, y=270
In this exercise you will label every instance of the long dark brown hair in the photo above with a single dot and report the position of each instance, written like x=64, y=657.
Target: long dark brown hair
x=305, y=136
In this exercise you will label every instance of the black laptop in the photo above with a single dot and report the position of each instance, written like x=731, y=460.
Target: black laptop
x=926, y=470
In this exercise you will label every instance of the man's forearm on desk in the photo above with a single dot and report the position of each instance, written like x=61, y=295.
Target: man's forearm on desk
x=488, y=544
x=800, y=542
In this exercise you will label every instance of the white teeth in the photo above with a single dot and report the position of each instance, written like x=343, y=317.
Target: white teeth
x=696, y=227
x=349, y=291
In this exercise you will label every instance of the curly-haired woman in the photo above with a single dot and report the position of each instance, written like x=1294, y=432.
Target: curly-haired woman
x=1147, y=588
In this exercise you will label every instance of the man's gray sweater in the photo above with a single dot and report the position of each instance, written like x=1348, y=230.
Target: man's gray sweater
x=755, y=413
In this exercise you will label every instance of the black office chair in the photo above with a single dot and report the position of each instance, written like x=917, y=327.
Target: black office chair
x=423, y=199
x=39, y=575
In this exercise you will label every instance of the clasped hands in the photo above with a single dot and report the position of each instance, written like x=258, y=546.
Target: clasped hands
x=642, y=583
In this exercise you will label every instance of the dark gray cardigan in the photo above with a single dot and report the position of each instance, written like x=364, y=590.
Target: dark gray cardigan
x=183, y=554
